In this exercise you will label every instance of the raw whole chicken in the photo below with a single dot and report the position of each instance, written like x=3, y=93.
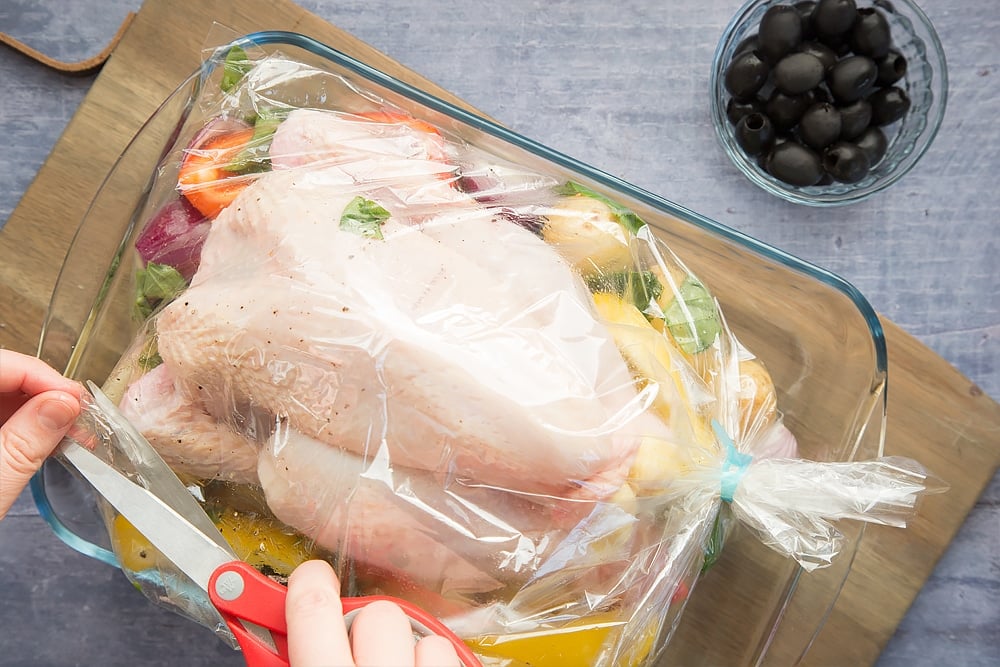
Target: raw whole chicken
x=458, y=349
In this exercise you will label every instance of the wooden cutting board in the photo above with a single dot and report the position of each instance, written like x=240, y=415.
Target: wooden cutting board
x=934, y=414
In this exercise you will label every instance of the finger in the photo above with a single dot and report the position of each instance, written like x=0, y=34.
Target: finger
x=316, y=632
x=29, y=436
x=31, y=376
x=436, y=651
x=381, y=635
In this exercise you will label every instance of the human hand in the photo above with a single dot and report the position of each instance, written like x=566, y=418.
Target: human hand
x=380, y=635
x=37, y=407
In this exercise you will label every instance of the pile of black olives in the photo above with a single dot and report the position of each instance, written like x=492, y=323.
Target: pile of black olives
x=812, y=90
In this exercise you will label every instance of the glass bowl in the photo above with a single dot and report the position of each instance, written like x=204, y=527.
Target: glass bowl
x=820, y=339
x=925, y=82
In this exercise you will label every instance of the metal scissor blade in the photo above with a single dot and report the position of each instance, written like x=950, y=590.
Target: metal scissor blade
x=160, y=479
x=187, y=547
x=166, y=513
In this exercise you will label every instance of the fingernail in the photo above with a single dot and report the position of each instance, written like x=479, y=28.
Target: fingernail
x=55, y=415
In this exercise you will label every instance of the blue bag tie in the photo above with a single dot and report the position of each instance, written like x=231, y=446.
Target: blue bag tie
x=735, y=464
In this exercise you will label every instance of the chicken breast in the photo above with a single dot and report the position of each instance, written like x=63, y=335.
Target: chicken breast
x=494, y=370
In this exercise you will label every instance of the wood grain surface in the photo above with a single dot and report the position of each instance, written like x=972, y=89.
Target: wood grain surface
x=935, y=413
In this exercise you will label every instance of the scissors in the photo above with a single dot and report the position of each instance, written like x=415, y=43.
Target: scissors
x=251, y=604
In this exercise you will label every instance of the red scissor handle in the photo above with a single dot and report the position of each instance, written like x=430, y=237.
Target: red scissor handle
x=242, y=594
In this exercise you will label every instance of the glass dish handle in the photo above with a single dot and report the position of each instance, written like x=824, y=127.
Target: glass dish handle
x=62, y=531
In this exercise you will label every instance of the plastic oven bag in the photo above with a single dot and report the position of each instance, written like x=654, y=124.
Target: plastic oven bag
x=466, y=382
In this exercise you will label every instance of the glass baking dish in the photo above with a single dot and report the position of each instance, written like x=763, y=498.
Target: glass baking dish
x=819, y=338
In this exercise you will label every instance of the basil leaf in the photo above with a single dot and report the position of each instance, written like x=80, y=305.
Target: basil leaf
x=697, y=333
x=716, y=540
x=150, y=357
x=156, y=283
x=234, y=68
x=625, y=217
x=364, y=217
x=638, y=287
x=256, y=157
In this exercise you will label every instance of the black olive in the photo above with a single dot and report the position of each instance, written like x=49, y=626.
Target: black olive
x=798, y=73
x=755, y=134
x=736, y=109
x=820, y=126
x=873, y=143
x=746, y=75
x=794, y=164
x=764, y=157
x=846, y=162
x=870, y=34
x=889, y=105
x=826, y=55
x=854, y=119
x=785, y=110
x=750, y=43
x=780, y=32
x=891, y=68
x=852, y=78
x=805, y=10
x=833, y=17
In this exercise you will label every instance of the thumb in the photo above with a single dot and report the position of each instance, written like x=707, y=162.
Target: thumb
x=29, y=436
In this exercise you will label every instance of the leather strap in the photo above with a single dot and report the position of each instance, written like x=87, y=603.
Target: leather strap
x=82, y=67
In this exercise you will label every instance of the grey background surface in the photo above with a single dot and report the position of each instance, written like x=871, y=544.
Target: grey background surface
x=621, y=85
